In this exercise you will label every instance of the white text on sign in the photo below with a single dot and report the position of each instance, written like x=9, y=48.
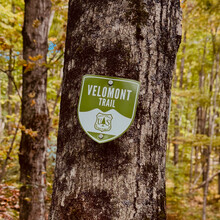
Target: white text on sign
x=106, y=94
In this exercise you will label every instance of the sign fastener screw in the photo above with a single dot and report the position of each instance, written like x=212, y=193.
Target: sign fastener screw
x=110, y=82
x=101, y=136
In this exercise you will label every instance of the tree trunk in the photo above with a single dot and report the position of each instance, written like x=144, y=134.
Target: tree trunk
x=177, y=117
x=9, y=90
x=201, y=115
x=10, y=78
x=206, y=186
x=217, y=70
x=1, y=118
x=219, y=173
x=125, y=178
x=182, y=60
x=191, y=170
x=32, y=155
x=176, y=134
x=212, y=112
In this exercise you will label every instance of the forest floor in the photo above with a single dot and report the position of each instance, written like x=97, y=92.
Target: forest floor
x=180, y=206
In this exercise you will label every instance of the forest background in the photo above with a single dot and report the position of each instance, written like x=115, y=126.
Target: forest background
x=193, y=148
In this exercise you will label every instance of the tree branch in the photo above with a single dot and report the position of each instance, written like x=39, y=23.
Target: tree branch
x=51, y=60
x=8, y=153
x=13, y=80
x=54, y=106
x=209, y=180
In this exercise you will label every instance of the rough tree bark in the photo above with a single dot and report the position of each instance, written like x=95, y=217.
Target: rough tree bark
x=125, y=178
x=32, y=155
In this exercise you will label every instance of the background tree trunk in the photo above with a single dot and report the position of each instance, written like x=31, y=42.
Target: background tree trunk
x=32, y=155
x=10, y=89
x=201, y=115
x=219, y=174
x=1, y=118
x=125, y=178
x=177, y=117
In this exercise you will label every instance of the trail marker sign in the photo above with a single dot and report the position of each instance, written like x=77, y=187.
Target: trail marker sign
x=107, y=106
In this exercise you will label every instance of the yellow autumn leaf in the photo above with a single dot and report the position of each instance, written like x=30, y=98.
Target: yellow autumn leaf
x=27, y=199
x=31, y=132
x=36, y=58
x=53, y=39
x=32, y=94
x=22, y=62
x=33, y=102
x=29, y=67
x=36, y=23
x=22, y=127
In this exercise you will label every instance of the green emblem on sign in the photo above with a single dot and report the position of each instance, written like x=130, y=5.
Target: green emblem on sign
x=107, y=106
x=103, y=122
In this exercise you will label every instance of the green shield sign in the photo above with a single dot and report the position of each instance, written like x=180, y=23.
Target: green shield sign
x=107, y=106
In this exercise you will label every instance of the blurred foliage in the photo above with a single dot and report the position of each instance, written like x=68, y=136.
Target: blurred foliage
x=201, y=28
